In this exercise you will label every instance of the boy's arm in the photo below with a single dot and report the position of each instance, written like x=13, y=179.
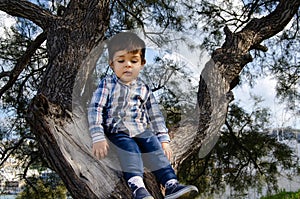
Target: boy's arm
x=159, y=125
x=95, y=118
x=157, y=119
x=95, y=112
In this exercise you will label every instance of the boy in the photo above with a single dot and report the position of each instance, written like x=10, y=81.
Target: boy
x=123, y=111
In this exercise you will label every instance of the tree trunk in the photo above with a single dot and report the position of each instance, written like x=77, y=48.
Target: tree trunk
x=58, y=117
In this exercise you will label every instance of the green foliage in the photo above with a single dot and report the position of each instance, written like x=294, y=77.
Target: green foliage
x=246, y=156
x=171, y=82
x=17, y=139
x=283, y=195
x=44, y=190
x=145, y=14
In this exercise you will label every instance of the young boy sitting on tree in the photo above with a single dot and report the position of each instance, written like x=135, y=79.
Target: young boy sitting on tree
x=124, y=111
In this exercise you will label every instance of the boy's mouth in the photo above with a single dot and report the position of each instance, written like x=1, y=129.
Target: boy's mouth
x=127, y=73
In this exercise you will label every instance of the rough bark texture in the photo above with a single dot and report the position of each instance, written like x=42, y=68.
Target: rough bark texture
x=63, y=135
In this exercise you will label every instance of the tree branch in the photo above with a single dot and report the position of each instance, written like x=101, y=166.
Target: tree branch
x=236, y=140
x=6, y=153
x=273, y=23
x=5, y=74
x=28, y=10
x=28, y=181
x=22, y=62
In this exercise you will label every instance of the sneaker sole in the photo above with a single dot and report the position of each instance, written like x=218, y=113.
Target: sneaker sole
x=148, y=197
x=188, y=193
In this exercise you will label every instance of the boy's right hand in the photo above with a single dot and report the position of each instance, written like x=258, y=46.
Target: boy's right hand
x=100, y=149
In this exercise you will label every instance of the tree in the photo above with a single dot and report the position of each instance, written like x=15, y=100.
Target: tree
x=44, y=190
x=72, y=34
x=246, y=156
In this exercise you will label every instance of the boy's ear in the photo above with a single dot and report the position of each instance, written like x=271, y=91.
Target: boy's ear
x=143, y=62
x=110, y=62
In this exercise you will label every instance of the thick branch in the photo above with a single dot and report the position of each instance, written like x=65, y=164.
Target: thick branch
x=217, y=76
x=273, y=23
x=234, y=54
x=69, y=44
x=22, y=62
x=25, y=9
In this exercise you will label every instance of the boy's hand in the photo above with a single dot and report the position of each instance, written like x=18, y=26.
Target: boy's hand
x=167, y=149
x=100, y=149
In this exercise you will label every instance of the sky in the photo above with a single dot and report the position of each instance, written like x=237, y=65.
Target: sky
x=265, y=88
x=6, y=21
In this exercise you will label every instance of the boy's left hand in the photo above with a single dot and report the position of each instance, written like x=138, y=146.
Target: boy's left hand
x=167, y=149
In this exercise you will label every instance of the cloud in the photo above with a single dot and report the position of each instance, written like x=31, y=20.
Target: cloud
x=265, y=88
x=6, y=22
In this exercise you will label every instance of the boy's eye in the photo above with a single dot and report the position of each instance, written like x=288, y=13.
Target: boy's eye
x=132, y=61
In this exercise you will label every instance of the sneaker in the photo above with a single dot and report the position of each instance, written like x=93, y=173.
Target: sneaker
x=142, y=193
x=183, y=191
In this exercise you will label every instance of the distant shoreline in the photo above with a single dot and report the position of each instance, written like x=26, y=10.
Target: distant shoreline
x=6, y=196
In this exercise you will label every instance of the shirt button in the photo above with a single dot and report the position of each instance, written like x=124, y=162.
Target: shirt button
x=122, y=114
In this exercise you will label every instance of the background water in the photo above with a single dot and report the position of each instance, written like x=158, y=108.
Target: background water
x=8, y=196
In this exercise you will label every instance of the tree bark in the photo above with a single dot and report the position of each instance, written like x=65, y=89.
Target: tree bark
x=27, y=10
x=57, y=117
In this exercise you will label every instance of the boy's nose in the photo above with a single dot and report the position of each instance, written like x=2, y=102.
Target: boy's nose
x=128, y=64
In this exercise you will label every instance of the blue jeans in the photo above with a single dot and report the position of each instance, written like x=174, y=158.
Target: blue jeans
x=143, y=150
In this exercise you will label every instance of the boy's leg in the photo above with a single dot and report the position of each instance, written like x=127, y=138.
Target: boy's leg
x=155, y=159
x=128, y=153
x=130, y=159
x=138, y=188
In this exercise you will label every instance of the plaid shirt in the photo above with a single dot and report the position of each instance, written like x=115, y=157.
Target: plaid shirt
x=130, y=108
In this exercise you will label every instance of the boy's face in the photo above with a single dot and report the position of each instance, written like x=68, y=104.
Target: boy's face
x=127, y=65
